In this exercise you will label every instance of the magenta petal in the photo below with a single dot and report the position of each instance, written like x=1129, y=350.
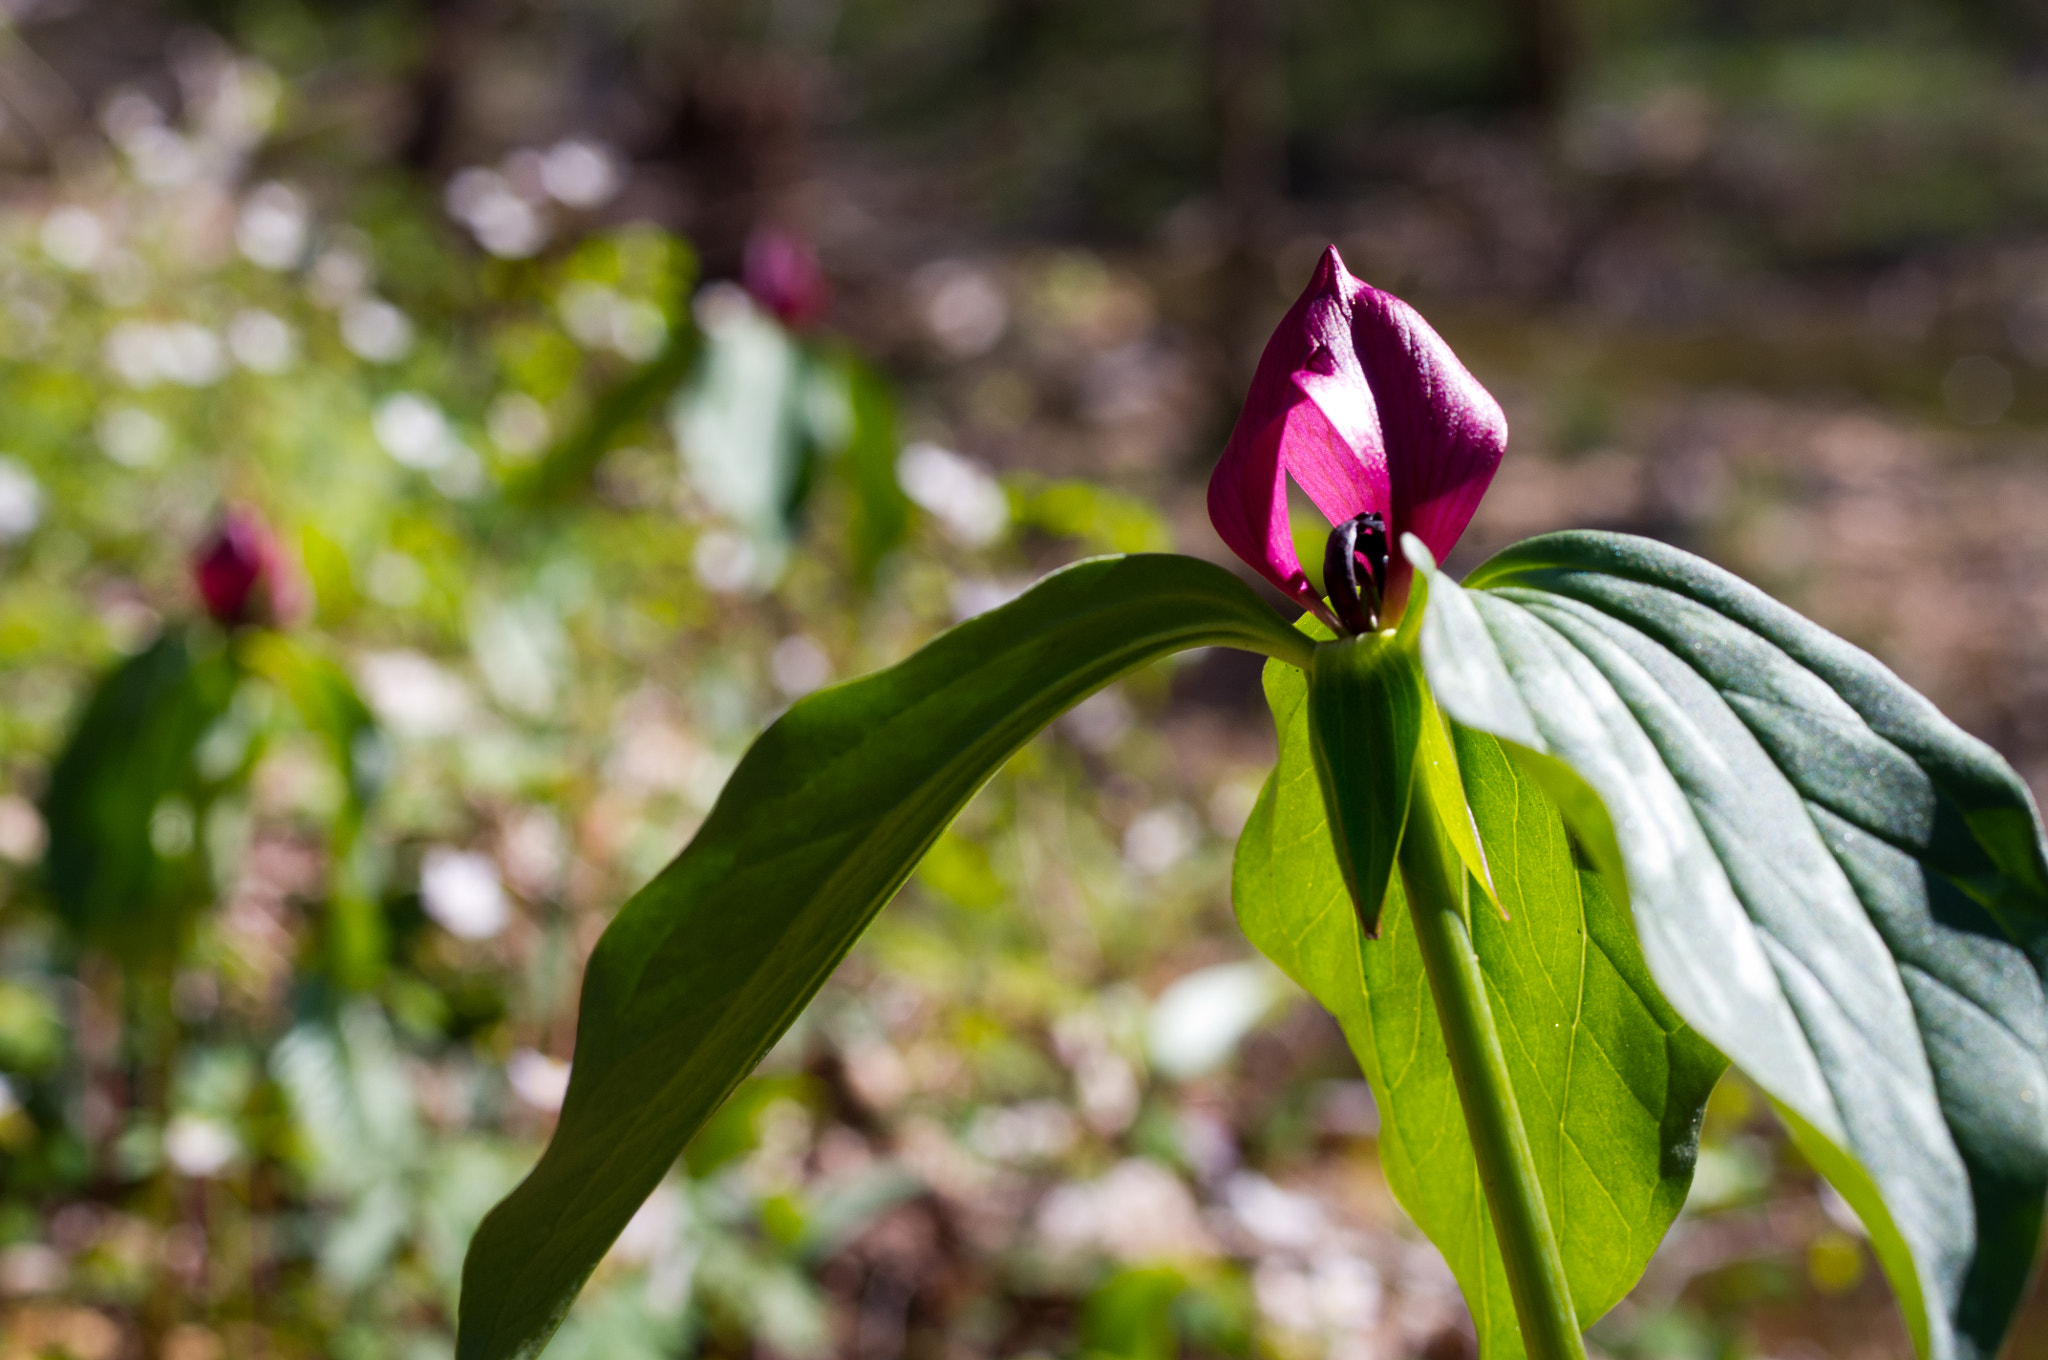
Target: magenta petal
x=1366, y=408
x=240, y=572
x=1342, y=476
x=1444, y=433
x=1310, y=414
x=1248, y=506
x=1333, y=447
x=781, y=272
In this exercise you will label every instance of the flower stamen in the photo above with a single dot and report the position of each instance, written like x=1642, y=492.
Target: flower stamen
x=1355, y=596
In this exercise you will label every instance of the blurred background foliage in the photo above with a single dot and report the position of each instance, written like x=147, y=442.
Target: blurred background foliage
x=612, y=373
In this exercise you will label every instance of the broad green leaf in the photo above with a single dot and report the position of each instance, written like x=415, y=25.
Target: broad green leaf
x=1609, y=1081
x=1364, y=720
x=126, y=861
x=823, y=820
x=1834, y=884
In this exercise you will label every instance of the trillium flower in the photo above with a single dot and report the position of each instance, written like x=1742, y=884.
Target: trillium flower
x=782, y=274
x=1368, y=411
x=241, y=572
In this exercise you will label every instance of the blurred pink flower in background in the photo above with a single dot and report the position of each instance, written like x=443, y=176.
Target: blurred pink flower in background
x=242, y=574
x=781, y=273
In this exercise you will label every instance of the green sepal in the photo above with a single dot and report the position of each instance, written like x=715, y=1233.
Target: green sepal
x=1384, y=725
x=1365, y=710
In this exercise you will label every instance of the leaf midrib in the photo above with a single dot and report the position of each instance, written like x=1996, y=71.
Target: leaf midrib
x=1694, y=814
x=1741, y=713
x=1781, y=951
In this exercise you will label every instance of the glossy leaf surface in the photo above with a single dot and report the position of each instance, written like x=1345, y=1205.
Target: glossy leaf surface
x=1610, y=1083
x=823, y=820
x=1834, y=884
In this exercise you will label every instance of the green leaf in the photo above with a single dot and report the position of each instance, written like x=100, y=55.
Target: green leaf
x=126, y=861
x=1439, y=780
x=1364, y=720
x=1833, y=883
x=1428, y=749
x=821, y=823
x=1609, y=1081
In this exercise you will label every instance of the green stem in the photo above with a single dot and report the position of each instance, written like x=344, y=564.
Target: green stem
x=1436, y=885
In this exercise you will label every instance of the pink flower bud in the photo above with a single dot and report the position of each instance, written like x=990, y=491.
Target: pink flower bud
x=241, y=573
x=1367, y=409
x=782, y=274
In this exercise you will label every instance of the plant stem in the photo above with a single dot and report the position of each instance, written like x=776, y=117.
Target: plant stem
x=1436, y=885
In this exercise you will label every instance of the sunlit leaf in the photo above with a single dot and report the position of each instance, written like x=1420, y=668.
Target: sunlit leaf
x=822, y=822
x=1833, y=883
x=1609, y=1082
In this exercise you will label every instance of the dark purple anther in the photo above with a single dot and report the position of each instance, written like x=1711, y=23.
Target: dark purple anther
x=1360, y=541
